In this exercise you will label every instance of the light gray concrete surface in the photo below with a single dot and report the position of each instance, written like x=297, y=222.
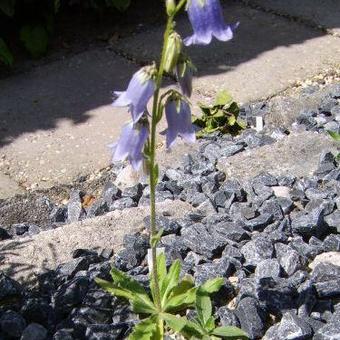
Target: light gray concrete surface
x=325, y=13
x=267, y=54
x=298, y=155
x=56, y=120
x=23, y=259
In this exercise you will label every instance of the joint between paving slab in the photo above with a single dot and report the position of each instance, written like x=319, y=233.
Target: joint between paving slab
x=294, y=18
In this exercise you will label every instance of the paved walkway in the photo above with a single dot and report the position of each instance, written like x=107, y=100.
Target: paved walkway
x=56, y=120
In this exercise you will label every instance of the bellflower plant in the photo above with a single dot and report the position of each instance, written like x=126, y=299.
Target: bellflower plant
x=178, y=116
x=169, y=293
x=138, y=93
x=131, y=143
x=206, y=18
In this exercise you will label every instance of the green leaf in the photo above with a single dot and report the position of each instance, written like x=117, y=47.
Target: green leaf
x=230, y=333
x=124, y=286
x=212, y=286
x=121, y=5
x=170, y=281
x=192, y=330
x=35, y=39
x=223, y=98
x=145, y=330
x=8, y=7
x=155, y=239
x=126, y=282
x=174, y=322
x=231, y=120
x=179, y=302
x=56, y=5
x=203, y=307
x=334, y=135
x=5, y=54
x=210, y=324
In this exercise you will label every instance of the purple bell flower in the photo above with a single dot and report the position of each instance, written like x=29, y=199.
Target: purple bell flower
x=206, y=18
x=138, y=93
x=131, y=143
x=178, y=116
x=184, y=73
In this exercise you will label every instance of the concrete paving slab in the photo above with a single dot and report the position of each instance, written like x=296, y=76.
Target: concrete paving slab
x=24, y=258
x=324, y=13
x=297, y=155
x=267, y=55
x=8, y=187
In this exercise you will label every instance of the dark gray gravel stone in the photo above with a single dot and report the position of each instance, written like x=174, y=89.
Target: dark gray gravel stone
x=37, y=310
x=311, y=224
x=4, y=235
x=227, y=317
x=326, y=280
x=34, y=331
x=268, y=268
x=9, y=288
x=225, y=231
x=259, y=223
x=332, y=242
x=277, y=295
x=63, y=334
x=331, y=331
x=333, y=220
x=252, y=317
x=220, y=268
x=12, y=324
x=290, y=327
x=289, y=259
x=108, y=332
x=122, y=203
x=74, y=207
x=199, y=239
x=98, y=208
x=110, y=193
x=70, y=294
x=169, y=226
x=257, y=250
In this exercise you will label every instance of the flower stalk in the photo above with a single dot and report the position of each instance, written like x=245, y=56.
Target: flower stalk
x=156, y=107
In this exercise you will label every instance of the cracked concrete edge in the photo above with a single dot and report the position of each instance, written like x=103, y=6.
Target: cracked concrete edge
x=295, y=18
x=24, y=258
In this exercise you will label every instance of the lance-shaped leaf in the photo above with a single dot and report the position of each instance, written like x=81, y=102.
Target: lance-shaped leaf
x=146, y=330
x=230, y=333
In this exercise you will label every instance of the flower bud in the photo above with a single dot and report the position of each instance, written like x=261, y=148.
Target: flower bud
x=170, y=7
x=172, y=52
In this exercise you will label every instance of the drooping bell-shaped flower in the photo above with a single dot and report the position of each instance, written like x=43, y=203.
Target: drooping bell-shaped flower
x=139, y=91
x=178, y=116
x=184, y=73
x=131, y=143
x=206, y=18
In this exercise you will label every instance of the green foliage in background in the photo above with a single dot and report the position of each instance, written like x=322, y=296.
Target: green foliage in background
x=35, y=32
x=5, y=54
x=222, y=116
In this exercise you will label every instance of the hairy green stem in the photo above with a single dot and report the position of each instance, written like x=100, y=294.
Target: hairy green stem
x=153, y=179
x=156, y=107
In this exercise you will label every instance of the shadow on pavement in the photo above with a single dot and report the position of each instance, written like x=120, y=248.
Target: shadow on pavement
x=68, y=89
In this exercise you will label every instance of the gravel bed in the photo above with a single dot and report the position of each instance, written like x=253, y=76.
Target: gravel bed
x=262, y=236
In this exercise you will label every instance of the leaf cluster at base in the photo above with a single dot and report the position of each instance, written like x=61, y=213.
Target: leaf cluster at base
x=222, y=116
x=176, y=296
